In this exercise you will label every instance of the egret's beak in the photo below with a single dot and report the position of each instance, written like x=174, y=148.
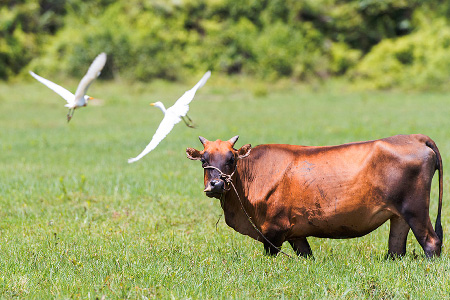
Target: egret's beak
x=152, y=104
x=91, y=98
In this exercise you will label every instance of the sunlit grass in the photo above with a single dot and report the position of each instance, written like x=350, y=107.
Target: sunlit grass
x=76, y=220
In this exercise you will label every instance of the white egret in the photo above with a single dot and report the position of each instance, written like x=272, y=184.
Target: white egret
x=172, y=116
x=80, y=98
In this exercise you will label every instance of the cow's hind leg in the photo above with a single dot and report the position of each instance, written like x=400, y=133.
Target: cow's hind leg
x=415, y=212
x=301, y=247
x=397, y=237
x=420, y=224
x=415, y=209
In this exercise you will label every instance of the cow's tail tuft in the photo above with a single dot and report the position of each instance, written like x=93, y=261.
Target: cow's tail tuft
x=438, y=226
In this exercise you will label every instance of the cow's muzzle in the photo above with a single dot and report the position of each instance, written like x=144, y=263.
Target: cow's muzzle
x=215, y=188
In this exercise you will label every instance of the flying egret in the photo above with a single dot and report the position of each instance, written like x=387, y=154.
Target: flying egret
x=80, y=98
x=172, y=116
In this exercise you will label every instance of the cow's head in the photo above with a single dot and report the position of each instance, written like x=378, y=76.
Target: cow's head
x=222, y=156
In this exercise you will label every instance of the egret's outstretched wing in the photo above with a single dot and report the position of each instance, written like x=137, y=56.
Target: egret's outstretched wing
x=183, y=102
x=68, y=96
x=93, y=72
x=164, y=128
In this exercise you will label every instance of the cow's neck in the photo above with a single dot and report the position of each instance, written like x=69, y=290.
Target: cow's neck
x=234, y=205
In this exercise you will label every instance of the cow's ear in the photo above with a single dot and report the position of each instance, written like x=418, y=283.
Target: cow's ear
x=193, y=154
x=244, y=151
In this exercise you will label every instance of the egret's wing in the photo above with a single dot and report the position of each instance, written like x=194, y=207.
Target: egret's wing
x=183, y=102
x=163, y=130
x=68, y=96
x=93, y=72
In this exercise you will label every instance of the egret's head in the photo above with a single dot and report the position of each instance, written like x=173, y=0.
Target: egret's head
x=159, y=105
x=86, y=98
x=222, y=156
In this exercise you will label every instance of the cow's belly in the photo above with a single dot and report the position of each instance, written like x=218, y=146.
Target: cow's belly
x=346, y=222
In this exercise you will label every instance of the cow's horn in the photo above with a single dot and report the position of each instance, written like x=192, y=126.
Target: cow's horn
x=202, y=140
x=233, y=140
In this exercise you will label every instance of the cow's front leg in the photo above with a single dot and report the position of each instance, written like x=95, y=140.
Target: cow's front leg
x=397, y=237
x=301, y=247
x=276, y=240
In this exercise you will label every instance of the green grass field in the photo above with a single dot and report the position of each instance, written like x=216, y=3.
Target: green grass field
x=77, y=221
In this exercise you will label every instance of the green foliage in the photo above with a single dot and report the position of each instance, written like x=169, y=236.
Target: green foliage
x=173, y=39
x=229, y=46
x=420, y=60
x=23, y=26
x=140, y=44
x=343, y=58
x=14, y=42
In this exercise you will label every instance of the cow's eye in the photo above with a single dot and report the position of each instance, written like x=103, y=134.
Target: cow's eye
x=231, y=160
x=203, y=161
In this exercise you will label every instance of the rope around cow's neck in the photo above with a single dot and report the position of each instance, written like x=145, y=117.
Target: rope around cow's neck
x=227, y=178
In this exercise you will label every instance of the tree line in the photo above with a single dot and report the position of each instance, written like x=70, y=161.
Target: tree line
x=377, y=43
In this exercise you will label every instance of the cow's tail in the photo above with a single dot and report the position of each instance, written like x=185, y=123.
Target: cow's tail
x=438, y=226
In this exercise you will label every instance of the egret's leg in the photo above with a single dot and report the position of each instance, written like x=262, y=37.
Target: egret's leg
x=189, y=122
x=186, y=122
x=70, y=114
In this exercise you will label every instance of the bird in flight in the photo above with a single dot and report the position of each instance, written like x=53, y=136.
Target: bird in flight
x=172, y=116
x=80, y=98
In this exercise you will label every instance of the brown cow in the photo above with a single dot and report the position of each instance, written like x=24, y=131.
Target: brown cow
x=292, y=192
